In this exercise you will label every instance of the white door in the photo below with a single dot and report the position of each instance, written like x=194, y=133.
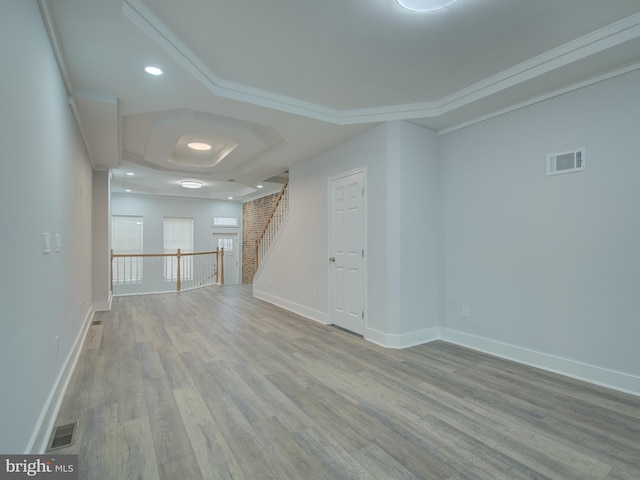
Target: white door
x=346, y=251
x=229, y=241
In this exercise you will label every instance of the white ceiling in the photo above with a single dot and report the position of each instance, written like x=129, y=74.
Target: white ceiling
x=285, y=79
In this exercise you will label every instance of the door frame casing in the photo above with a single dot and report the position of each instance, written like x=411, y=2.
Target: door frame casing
x=236, y=236
x=330, y=300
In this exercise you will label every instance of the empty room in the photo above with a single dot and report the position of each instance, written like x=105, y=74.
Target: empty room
x=381, y=239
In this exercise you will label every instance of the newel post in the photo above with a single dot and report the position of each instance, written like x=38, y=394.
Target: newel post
x=111, y=269
x=178, y=271
x=222, y=266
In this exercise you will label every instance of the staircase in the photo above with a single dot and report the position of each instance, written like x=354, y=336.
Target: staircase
x=279, y=214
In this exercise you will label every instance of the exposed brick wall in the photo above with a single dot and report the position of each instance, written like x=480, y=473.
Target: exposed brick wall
x=254, y=218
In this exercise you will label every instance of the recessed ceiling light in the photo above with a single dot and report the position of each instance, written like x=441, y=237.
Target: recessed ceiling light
x=230, y=198
x=200, y=146
x=259, y=186
x=191, y=184
x=131, y=174
x=153, y=70
x=425, y=5
x=128, y=190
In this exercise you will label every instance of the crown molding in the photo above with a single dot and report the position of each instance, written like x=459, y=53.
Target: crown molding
x=585, y=46
x=541, y=98
x=145, y=19
x=63, y=67
x=56, y=44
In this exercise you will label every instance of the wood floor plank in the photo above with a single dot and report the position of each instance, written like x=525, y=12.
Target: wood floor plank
x=149, y=360
x=540, y=452
x=130, y=387
x=99, y=459
x=215, y=458
x=75, y=405
x=174, y=368
x=215, y=384
x=136, y=455
x=170, y=437
x=183, y=467
x=94, y=337
x=251, y=452
x=105, y=382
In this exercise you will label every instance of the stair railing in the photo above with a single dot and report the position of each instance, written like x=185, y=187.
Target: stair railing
x=279, y=213
x=142, y=273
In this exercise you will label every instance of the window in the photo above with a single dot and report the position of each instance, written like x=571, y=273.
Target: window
x=126, y=238
x=227, y=244
x=178, y=234
x=225, y=221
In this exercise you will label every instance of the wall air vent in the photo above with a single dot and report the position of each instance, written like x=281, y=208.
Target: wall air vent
x=566, y=162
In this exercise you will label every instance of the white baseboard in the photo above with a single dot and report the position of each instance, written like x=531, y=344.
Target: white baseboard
x=103, y=306
x=306, y=312
x=40, y=438
x=623, y=382
x=404, y=340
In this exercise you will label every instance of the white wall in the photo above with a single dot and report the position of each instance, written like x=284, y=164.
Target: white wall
x=45, y=187
x=548, y=264
x=402, y=234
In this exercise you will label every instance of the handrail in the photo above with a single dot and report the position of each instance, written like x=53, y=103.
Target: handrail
x=273, y=210
x=268, y=227
x=217, y=273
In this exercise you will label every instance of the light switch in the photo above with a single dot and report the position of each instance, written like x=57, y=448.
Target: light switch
x=46, y=243
x=58, y=242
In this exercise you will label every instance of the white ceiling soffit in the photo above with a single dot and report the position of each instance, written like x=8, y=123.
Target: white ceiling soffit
x=589, y=45
x=100, y=128
x=159, y=140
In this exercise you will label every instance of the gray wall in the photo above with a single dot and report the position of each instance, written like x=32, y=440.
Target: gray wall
x=45, y=187
x=154, y=209
x=402, y=221
x=548, y=264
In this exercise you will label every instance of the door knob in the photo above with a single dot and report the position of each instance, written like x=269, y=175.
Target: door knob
x=332, y=259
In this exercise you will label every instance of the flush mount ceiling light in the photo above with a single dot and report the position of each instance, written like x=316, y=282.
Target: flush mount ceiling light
x=153, y=70
x=191, y=184
x=425, y=5
x=130, y=174
x=200, y=146
x=202, y=154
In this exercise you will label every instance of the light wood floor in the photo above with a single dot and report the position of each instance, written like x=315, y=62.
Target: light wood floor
x=214, y=384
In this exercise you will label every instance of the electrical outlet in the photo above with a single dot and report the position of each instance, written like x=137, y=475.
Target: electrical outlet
x=465, y=310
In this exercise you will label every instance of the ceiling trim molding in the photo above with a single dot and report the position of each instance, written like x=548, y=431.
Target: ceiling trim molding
x=63, y=67
x=56, y=44
x=146, y=20
x=541, y=98
x=580, y=48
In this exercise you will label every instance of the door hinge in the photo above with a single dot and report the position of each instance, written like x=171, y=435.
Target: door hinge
x=363, y=253
x=363, y=191
x=363, y=314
